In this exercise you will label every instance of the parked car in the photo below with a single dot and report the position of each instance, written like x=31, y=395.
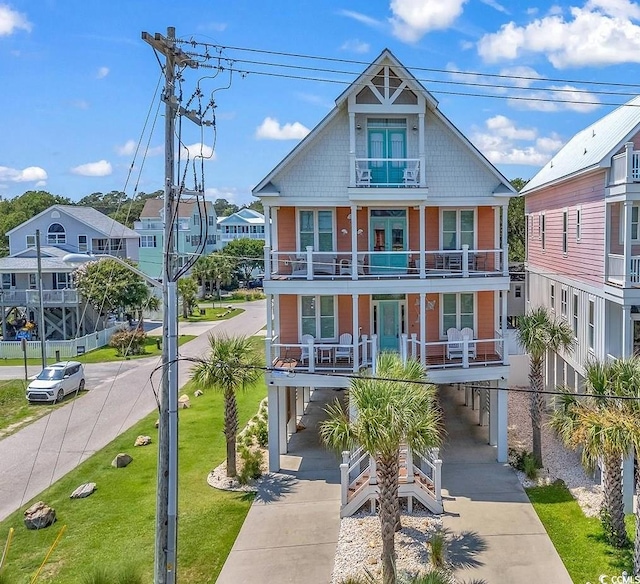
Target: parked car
x=56, y=381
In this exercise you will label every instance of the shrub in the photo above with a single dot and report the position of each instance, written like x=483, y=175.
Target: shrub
x=261, y=431
x=128, y=342
x=247, y=295
x=123, y=575
x=529, y=466
x=251, y=465
x=438, y=549
x=433, y=577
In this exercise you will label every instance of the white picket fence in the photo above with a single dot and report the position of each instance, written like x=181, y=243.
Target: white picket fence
x=66, y=349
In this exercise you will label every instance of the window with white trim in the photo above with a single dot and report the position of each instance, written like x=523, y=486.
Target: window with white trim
x=33, y=282
x=315, y=229
x=565, y=232
x=542, y=229
x=574, y=320
x=564, y=299
x=457, y=311
x=591, y=335
x=56, y=234
x=8, y=281
x=83, y=243
x=539, y=225
x=62, y=280
x=552, y=297
x=31, y=241
x=458, y=228
x=148, y=241
x=578, y=223
x=318, y=317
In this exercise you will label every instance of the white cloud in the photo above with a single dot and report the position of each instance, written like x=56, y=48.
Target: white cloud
x=270, y=129
x=355, y=46
x=28, y=174
x=501, y=143
x=100, y=168
x=12, y=20
x=362, y=18
x=40, y=183
x=495, y=5
x=602, y=32
x=127, y=149
x=556, y=98
x=520, y=76
x=198, y=151
x=102, y=72
x=215, y=26
x=412, y=19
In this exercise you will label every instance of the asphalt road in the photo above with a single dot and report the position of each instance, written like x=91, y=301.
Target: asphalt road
x=120, y=394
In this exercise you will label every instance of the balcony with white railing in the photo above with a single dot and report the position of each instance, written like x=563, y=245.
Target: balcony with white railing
x=621, y=276
x=375, y=265
x=387, y=173
x=67, y=296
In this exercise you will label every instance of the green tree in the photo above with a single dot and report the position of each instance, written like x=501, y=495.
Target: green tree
x=109, y=286
x=232, y=365
x=516, y=224
x=224, y=208
x=188, y=291
x=215, y=269
x=248, y=254
x=256, y=206
x=605, y=430
x=539, y=332
x=389, y=414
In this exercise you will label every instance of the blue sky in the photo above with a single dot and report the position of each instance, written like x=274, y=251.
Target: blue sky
x=79, y=82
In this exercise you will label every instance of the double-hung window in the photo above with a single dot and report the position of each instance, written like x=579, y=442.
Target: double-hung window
x=318, y=317
x=542, y=230
x=458, y=228
x=148, y=241
x=457, y=311
x=31, y=241
x=565, y=232
x=575, y=314
x=552, y=296
x=564, y=299
x=591, y=335
x=578, y=223
x=8, y=281
x=316, y=230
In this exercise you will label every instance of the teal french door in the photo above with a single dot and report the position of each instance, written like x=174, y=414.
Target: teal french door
x=389, y=326
x=388, y=229
x=386, y=143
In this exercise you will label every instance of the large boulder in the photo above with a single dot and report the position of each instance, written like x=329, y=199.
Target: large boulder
x=184, y=402
x=39, y=516
x=83, y=491
x=121, y=460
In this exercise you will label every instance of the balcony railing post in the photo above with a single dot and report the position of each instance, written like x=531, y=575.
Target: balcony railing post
x=437, y=468
x=344, y=483
x=374, y=354
x=410, y=477
x=267, y=350
x=465, y=352
x=312, y=356
x=465, y=260
x=309, y=262
x=628, y=151
x=373, y=472
x=365, y=346
x=414, y=344
x=403, y=347
x=267, y=263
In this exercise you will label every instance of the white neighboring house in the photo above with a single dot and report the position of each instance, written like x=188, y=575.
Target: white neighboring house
x=243, y=224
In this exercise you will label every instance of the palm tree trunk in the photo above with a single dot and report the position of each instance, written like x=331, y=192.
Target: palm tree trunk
x=536, y=408
x=231, y=430
x=387, y=470
x=398, y=521
x=613, y=504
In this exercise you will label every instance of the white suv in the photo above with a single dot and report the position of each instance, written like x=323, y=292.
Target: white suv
x=56, y=381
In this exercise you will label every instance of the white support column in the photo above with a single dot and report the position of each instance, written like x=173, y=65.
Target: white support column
x=505, y=348
x=299, y=403
x=273, y=429
x=354, y=243
x=291, y=411
x=505, y=242
x=352, y=149
x=626, y=239
x=282, y=419
x=628, y=152
x=493, y=417
x=421, y=145
x=423, y=328
x=267, y=263
x=355, y=325
x=270, y=316
x=374, y=354
x=627, y=332
x=423, y=237
x=267, y=225
x=309, y=262
x=607, y=239
x=276, y=317
x=307, y=396
x=483, y=407
x=404, y=341
x=503, y=420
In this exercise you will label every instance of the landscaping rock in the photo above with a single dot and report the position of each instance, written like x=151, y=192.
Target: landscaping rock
x=83, y=491
x=198, y=393
x=121, y=460
x=39, y=516
x=157, y=423
x=142, y=441
x=184, y=402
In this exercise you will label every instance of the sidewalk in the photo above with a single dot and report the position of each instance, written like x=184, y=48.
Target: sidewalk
x=291, y=531
x=496, y=534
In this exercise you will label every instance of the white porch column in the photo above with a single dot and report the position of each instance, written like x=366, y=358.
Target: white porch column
x=299, y=403
x=423, y=237
x=352, y=149
x=423, y=328
x=626, y=239
x=307, y=396
x=273, y=428
x=503, y=328
x=355, y=325
x=282, y=420
x=291, y=411
x=505, y=241
x=627, y=332
x=267, y=224
x=483, y=399
x=354, y=243
x=628, y=152
x=493, y=417
x=269, y=316
x=502, y=420
x=423, y=160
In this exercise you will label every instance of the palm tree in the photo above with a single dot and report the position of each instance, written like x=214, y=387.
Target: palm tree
x=606, y=430
x=389, y=413
x=232, y=365
x=539, y=332
x=215, y=268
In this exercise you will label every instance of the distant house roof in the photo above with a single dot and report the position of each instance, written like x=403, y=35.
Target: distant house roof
x=88, y=215
x=245, y=215
x=153, y=208
x=591, y=148
x=27, y=261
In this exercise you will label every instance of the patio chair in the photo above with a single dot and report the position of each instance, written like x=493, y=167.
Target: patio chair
x=363, y=176
x=343, y=351
x=410, y=175
x=324, y=263
x=304, y=352
x=298, y=266
x=454, y=344
x=344, y=266
x=468, y=332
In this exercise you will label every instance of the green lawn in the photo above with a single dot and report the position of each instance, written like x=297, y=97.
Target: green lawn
x=115, y=526
x=579, y=540
x=212, y=314
x=15, y=410
x=106, y=354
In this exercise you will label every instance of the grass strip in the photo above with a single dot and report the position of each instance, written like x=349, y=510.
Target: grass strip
x=212, y=314
x=579, y=540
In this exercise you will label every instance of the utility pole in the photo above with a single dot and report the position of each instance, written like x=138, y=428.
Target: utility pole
x=166, y=540
x=43, y=341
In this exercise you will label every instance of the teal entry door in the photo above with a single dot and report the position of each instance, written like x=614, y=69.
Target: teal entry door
x=384, y=144
x=388, y=229
x=389, y=325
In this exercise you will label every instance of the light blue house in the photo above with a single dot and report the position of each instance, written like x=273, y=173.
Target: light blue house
x=244, y=224
x=196, y=233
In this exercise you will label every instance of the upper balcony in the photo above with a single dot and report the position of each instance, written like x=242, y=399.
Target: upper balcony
x=387, y=173
x=376, y=265
x=65, y=297
x=624, y=176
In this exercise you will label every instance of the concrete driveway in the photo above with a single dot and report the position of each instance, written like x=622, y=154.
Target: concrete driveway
x=120, y=394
